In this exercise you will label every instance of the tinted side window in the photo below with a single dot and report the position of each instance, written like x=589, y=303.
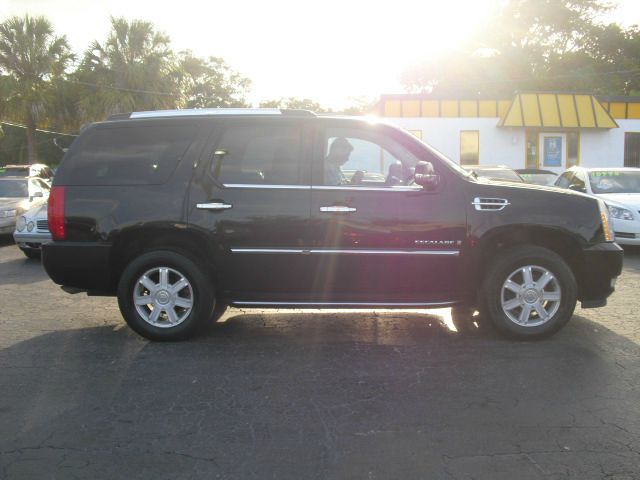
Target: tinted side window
x=127, y=155
x=359, y=157
x=258, y=154
x=564, y=180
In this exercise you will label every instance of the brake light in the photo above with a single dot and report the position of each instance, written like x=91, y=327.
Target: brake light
x=56, y=213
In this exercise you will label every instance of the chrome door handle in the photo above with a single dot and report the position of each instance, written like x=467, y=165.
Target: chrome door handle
x=216, y=206
x=337, y=208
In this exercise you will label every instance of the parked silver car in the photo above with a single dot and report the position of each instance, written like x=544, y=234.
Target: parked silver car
x=32, y=230
x=18, y=195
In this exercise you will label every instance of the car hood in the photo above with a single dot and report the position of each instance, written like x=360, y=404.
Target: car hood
x=629, y=200
x=38, y=212
x=532, y=186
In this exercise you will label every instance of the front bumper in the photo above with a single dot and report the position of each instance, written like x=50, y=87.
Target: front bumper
x=31, y=240
x=601, y=264
x=79, y=264
x=627, y=232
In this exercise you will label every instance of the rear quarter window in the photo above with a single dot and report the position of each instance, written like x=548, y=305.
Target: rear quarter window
x=126, y=155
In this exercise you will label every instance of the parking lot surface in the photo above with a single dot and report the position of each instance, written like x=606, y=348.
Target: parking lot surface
x=291, y=395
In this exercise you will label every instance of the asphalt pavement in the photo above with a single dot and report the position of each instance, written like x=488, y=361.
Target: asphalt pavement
x=318, y=395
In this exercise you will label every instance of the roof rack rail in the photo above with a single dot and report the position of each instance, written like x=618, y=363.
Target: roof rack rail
x=119, y=116
x=298, y=112
x=211, y=111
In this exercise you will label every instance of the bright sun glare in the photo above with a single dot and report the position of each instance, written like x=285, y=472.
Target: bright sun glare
x=327, y=51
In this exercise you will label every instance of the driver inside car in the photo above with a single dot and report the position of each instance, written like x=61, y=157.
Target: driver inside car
x=339, y=153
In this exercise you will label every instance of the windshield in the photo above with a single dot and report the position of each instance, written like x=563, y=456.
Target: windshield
x=14, y=171
x=14, y=189
x=614, y=181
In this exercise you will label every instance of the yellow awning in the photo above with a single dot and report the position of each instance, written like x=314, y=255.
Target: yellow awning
x=556, y=110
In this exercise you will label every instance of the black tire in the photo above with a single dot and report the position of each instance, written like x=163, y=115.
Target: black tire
x=200, y=293
x=507, y=264
x=31, y=253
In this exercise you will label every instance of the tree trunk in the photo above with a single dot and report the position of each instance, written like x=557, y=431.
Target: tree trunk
x=32, y=148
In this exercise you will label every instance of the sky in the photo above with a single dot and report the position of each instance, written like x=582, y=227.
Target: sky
x=331, y=51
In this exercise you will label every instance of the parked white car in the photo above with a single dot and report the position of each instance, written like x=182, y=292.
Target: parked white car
x=18, y=195
x=32, y=230
x=619, y=188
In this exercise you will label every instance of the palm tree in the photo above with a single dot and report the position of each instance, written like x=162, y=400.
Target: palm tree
x=134, y=69
x=31, y=57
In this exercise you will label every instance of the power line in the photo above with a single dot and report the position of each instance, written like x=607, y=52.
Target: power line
x=17, y=125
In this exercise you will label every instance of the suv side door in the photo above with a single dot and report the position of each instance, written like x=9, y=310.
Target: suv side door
x=377, y=238
x=251, y=195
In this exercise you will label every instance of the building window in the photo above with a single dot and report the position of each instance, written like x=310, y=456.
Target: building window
x=552, y=150
x=632, y=149
x=573, y=149
x=469, y=147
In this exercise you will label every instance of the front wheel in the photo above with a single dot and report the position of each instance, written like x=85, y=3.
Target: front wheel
x=529, y=292
x=164, y=295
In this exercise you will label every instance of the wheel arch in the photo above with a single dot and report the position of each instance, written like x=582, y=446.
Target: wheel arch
x=190, y=242
x=566, y=245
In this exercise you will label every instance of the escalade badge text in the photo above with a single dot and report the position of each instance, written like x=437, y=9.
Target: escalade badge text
x=439, y=243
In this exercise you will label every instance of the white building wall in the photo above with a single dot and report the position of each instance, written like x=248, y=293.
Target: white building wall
x=605, y=148
x=498, y=146
x=506, y=146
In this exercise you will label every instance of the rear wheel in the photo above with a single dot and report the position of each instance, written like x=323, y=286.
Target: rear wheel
x=529, y=292
x=164, y=295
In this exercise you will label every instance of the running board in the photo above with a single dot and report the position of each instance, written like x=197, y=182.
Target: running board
x=320, y=305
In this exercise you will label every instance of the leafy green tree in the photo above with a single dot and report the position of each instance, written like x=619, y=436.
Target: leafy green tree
x=32, y=57
x=210, y=83
x=361, y=105
x=537, y=45
x=134, y=69
x=294, y=103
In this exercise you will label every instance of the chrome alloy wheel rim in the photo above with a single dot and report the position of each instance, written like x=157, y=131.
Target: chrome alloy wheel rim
x=531, y=296
x=163, y=297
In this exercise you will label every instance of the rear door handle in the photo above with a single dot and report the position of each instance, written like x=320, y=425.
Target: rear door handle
x=215, y=206
x=338, y=208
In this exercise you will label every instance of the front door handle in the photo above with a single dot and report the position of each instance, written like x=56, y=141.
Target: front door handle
x=214, y=206
x=338, y=208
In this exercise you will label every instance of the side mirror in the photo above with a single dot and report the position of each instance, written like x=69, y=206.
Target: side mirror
x=425, y=176
x=577, y=187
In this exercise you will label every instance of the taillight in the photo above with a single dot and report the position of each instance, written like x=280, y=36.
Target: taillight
x=56, y=213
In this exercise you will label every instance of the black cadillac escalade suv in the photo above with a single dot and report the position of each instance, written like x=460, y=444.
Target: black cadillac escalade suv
x=182, y=213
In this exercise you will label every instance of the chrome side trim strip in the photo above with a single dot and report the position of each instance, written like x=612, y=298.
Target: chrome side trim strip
x=386, y=252
x=260, y=186
x=323, y=187
x=354, y=251
x=268, y=250
x=367, y=189
x=350, y=304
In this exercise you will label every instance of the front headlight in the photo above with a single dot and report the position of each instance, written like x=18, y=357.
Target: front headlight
x=620, y=213
x=30, y=226
x=21, y=223
x=606, y=222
